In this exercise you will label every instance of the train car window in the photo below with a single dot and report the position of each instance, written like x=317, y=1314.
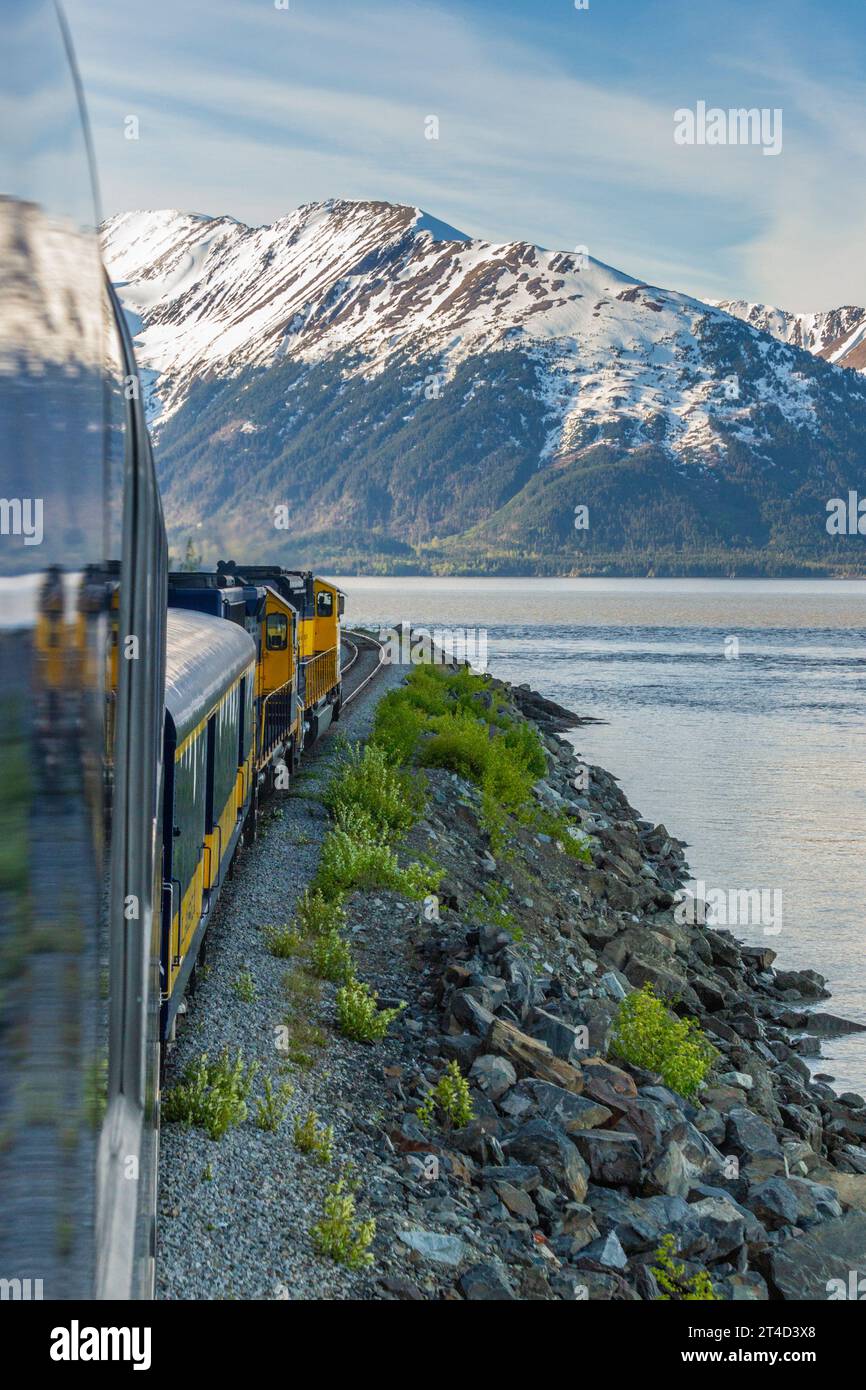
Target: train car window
x=277, y=630
x=325, y=604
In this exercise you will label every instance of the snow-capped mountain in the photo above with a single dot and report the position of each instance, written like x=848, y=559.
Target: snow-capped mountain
x=837, y=335
x=415, y=392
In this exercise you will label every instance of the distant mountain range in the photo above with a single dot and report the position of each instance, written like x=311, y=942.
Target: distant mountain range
x=363, y=387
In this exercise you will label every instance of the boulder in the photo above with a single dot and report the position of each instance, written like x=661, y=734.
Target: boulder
x=486, y=1283
x=540, y=1143
x=569, y=1112
x=433, y=1245
x=751, y=1136
x=493, y=1075
x=723, y=1225
x=530, y=1057
x=818, y=1264
x=563, y=1039
x=615, y=1159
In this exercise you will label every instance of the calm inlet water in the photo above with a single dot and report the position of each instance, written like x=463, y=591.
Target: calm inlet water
x=736, y=714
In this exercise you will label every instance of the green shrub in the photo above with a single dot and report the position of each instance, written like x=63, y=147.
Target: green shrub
x=449, y=1098
x=331, y=958
x=397, y=727
x=358, y=1013
x=389, y=798
x=649, y=1036
x=244, y=986
x=271, y=1109
x=317, y=915
x=354, y=857
x=338, y=1235
x=212, y=1095
x=313, y=1138
x=283, y=942
x=676, y=1286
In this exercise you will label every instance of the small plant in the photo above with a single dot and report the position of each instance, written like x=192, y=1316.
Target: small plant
x=649, y=1036
x=283, y=942
x=390, y=799
x=354, y=857
x=271, y=1109
x=331, y=959
x=313, y=1138
x=359, y=1015
x=338, y=1235
x=450, y=1098
x=244, y=987
x=207, y=1175
x=676, y=1286
x=212, y=1095
x=317, y=915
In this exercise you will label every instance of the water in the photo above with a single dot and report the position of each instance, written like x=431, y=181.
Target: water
x=757, y=759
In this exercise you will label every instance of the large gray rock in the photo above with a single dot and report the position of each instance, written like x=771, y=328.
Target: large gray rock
x=493, y=1075
x=432, y=1245
x=818, y=1265
x=563, y=1039
x=615, y=1159
x=486, y=1283
x=540, y=1143
x=569, y=1112
x=721, y=1223
x=751, y=1136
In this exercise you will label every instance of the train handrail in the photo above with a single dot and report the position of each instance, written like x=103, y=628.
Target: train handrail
x=265, y=749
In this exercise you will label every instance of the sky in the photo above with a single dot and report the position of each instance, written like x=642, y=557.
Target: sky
x=555, y=125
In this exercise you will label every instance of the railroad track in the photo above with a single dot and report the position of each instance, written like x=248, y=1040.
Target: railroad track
x=366, y=659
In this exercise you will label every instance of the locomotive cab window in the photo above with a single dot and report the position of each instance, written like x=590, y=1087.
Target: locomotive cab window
x=277, y=632
x=325, y=604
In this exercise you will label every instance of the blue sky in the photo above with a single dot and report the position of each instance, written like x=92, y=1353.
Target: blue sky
x=555, y=125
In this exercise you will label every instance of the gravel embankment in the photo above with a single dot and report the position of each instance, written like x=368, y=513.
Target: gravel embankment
x=235, y=1215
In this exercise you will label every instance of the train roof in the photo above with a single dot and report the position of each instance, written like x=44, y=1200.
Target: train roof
x=204, y=656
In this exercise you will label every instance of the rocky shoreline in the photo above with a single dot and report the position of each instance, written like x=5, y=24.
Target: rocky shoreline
x=576, y=1165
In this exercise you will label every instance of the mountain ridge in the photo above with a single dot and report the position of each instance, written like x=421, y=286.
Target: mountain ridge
x=416, y=393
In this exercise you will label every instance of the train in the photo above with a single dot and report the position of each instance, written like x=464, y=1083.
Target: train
x=145, y=714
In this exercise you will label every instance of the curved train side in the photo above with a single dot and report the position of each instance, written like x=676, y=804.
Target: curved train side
x=252, y=677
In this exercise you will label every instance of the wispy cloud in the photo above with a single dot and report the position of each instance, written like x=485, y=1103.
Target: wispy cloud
x=251, y=110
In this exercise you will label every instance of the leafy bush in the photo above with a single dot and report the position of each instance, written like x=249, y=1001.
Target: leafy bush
x=648, y=1036
x=331, y=958
x=389, y=798
x=271, y=1109
x=397, y=727
x=449, y=1098
x=676, y=1285
x=283, y=942
x=212, y=1095
x=317, y=915
x=313, y=1138
x=358, y=1013
x=338, y=1235
x=354, y=857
